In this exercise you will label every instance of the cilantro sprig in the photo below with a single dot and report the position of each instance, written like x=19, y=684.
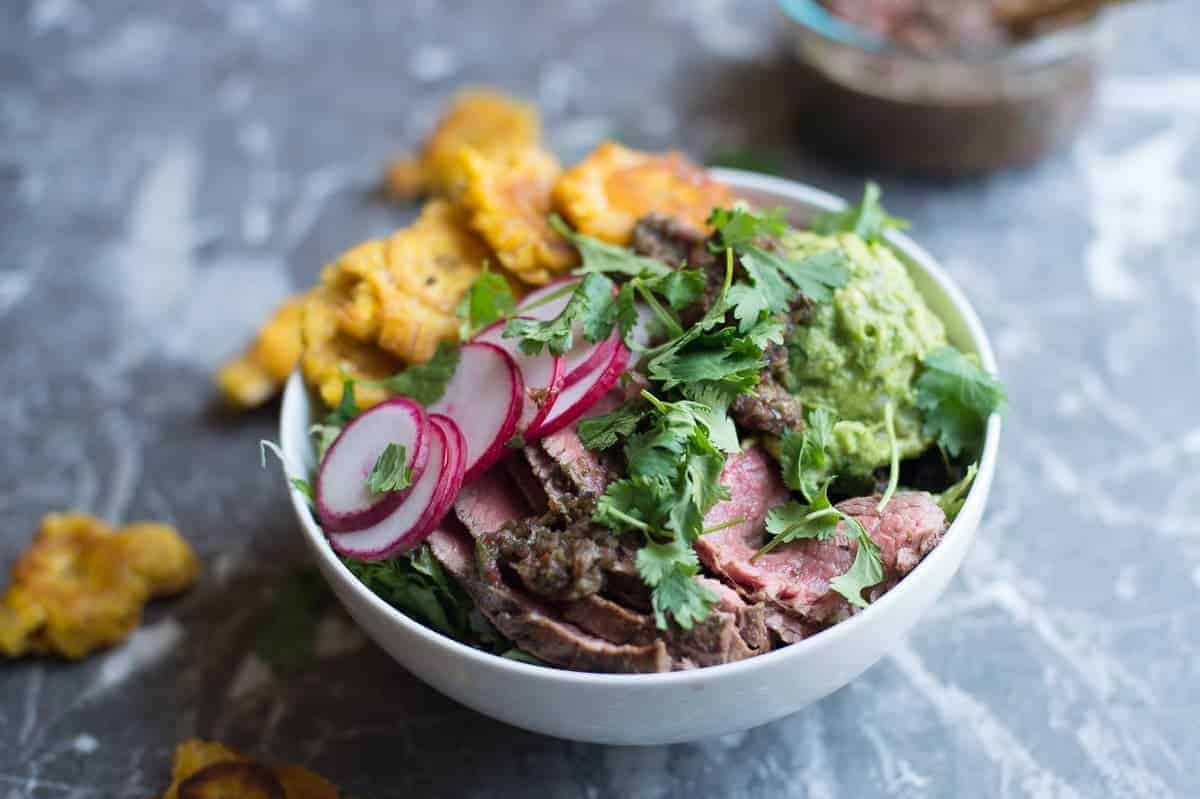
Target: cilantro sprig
x=957, y=396
x=488, y=299
x=391, y=471
x=868, y=219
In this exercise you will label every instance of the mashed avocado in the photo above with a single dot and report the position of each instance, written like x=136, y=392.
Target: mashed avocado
x=864, y=349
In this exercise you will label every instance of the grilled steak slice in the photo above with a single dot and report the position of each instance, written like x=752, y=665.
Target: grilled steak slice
x=531, y=625
x=489, y=502
x=794, y=578
x=770, y=409
x=677, y=245
x=733, y=631
x=566, y=469
x=610, y=620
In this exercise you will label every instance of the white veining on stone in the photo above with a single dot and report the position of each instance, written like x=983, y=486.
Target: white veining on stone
x=899, y=776
x=85, y=744
x=429, y=63
x=125, y=449
x=143, y=649
x=132, y=53
x=970, y=717
x=48, y=15
x=1160, y=93
x=717, y=26
x=1137, y=199
x=334, y=636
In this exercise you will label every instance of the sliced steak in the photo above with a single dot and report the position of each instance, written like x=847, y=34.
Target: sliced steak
x=666, y=239
x=794, y=578
x=566, y=469
x=532, y=626
x=770, y=409
x=489, y=502
x=611, y=620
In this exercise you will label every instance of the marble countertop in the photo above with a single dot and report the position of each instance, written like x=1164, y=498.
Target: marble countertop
x=169, y=170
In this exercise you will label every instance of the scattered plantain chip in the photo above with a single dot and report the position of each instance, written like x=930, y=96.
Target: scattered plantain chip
x=255, y=376
x=604, y=194
x=491, y=122
x=81, y=585
x=507, y=200
x=209, y=770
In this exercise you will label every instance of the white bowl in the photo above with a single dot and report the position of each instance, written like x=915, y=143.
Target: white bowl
x=676, y=706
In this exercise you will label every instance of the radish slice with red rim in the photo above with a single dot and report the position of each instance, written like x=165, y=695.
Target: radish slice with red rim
x=541, y=375
x=573, y=401
x=484, y=398
x=455, y=476
x=343, y=500
x=406, y=526
x=586, y=356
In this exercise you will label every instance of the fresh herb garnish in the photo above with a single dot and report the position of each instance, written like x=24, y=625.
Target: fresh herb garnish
x=867, y=219
x=488, y=299
x=794, y=521
x=425, y=382
x=951, y=500
x=803, y=454
x=671, y=568
x=391, y=471
x=591, y=307
x=867, y=569
x=957, y=396
x=346, y=409
x=416, y=584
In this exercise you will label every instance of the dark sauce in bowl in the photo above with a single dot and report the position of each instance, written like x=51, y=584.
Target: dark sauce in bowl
x=893, y=83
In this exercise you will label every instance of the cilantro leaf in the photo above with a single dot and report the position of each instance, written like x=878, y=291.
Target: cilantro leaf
x=710, y=407
x=601, y=257
x=635, y=503
x=803, y=457
x=391, y=471
x=489, y=298
x=721, y=359
x=957, y=396
x=592, y=306
x=604, y=431
x=867, y=219
x=866, y=570
x=749, y=305
x=680, y=287
x=794, y=521
x=739, y=227
x=669, y=570
x=766, y=331
x=951, y=500
x=817, y=275
x=425, y=382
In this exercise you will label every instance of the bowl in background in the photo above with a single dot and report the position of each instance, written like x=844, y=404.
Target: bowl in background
x=869, y=100
x=684, y=705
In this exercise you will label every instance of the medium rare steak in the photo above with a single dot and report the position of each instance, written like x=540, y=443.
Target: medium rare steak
x=794, y=578
x=533, y=627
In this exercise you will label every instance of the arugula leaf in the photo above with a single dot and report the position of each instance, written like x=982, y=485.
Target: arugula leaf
x=601, y=257
x=604, y=431
x=951, y=500
x=425, y=382
x=416, y=584
x=867, y=219
x=489, y=298
x=957, y=396
x=391, y=471
x=347, y=408
x=866, y=570
x=803, y=455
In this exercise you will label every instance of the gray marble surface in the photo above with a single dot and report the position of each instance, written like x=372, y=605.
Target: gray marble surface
x=169, y=169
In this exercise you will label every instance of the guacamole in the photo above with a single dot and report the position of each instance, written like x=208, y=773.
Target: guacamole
x=862, y=350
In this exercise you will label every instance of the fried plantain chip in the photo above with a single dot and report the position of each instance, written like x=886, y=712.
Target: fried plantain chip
x=507, y=200
x=330, y=355
x=232, y=780
x=489, y=121
x=81, y=586
x=208, y=769
x=255, y=376
x=607, y=192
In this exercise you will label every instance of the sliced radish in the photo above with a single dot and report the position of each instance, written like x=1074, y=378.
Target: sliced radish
x=342, y=498
x=586, y=356
x=484, y=399
x=573, y=401
x=407, y=525
x=535, y=304
x=541, y=375
x=456, y=474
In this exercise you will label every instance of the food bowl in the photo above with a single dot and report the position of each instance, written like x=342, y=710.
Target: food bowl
x=682, y=705
x=870, y=100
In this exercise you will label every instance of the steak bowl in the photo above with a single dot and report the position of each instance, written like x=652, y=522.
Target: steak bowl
x=682, y=705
